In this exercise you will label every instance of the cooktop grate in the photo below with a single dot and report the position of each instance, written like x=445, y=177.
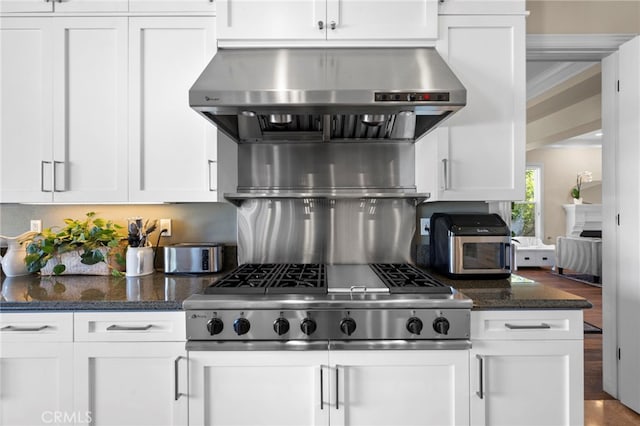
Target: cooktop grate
x=272, y=278
x=405, y=278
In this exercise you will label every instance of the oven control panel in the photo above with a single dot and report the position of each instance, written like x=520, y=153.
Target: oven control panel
x=363, y=324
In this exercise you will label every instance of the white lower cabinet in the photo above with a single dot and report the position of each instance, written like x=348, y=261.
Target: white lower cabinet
x=136, y=374
x=36, y=364
x=395, y=387
x=336, y=387
x=131, y=383
x=130, y=368
x=527, y=368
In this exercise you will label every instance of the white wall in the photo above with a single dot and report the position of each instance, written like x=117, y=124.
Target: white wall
x=560, y=168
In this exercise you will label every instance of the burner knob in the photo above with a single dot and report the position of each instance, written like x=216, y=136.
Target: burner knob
x=441, y=325
x=241, y=326
x=414, y=325
x=308, y=326
x=348, y=326
x=281, y=326
x=215, y=326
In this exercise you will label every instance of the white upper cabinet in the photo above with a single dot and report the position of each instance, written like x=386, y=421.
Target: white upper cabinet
x=479, y=153
x=76, y=6
x=64, y=110
x=172, y=150
x=319, y=22
x=26, y=149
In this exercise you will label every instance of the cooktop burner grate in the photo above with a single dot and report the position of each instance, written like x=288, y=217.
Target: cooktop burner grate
x=300, y=278
x=272, y=278
x=249, y=278
x=405, y=278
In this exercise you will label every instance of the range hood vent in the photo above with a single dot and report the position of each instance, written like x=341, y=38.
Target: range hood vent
x=322, y=95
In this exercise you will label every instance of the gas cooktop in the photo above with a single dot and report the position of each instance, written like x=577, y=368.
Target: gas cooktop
x=260, y=279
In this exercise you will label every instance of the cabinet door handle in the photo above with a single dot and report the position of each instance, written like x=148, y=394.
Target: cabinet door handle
x=14, y=328
x=42, y=163
x=321, y=389
x=337, y=386
x=176, y=394
x=210, y=162
x=480, y=391
x=116, y=327
x=445, y=169
x=55, y=163
x=541, y=326
x=320, y=25
x=333, y=25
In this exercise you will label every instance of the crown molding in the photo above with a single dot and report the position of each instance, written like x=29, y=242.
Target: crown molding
x=573, y=47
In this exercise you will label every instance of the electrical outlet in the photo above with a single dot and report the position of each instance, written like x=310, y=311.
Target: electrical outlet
x=166, y=225
x=36, y=225
x=424, y=226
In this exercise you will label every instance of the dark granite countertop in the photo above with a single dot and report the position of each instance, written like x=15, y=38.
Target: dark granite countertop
x=167, y=292
x=514, y=293
x=78, y=293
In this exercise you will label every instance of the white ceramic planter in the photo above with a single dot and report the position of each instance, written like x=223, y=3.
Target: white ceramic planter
x=74, y=266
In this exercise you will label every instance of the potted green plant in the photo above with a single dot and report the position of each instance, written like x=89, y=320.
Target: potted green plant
x=89, y=247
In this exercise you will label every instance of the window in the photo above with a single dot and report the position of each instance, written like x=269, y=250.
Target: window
x=525, y=215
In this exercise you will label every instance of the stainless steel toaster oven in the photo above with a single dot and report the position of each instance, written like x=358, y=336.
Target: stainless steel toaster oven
x=470, y=245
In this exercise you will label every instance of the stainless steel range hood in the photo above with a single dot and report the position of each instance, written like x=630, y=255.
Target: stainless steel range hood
x=336, y=94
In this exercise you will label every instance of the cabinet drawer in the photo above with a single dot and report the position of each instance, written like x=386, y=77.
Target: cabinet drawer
x=36, y=327
x=129, y=326
x=526, y=325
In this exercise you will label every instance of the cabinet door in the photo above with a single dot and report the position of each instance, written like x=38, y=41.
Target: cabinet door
x=35, y=383
x=527, y=383
x=262, y=20
x=399, y=387
x=479, y=153
x=379, y=20
x=90, y=109
x=131, y=383
x=269, y=388
x=26, y=95
x=173, y=150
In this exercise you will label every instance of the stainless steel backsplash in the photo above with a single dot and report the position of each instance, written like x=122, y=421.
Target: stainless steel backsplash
x=334, y=166
x=322, y=230
x=325, y=231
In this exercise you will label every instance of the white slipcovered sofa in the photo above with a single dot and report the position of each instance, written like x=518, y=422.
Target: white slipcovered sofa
x=580, y=254
x=531, y=251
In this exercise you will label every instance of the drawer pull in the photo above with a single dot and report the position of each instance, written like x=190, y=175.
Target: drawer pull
x=540, y=326
x=14, y=328
x=115, y=327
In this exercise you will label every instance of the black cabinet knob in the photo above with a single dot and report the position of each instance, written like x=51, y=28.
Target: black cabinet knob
x=441, y=325
x=241, y=326
x=348, y=326
x=414, y=325
x=281, y=326
x=308, y=326
x=215, y=326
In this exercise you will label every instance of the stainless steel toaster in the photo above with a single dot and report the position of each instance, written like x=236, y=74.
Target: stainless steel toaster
x=193, y=258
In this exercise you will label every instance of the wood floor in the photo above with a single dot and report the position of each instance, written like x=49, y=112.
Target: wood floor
x=600, y=407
